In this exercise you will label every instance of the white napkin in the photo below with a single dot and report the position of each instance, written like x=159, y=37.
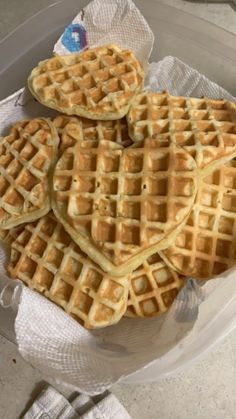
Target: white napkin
x=100, y=23
x=50, y=404
x=182, y=80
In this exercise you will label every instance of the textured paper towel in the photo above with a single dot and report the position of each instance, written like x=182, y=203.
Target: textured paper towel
x=56, y=344
x=181, y=80
x=51, y=404
x=91, y=361
x=118, y=22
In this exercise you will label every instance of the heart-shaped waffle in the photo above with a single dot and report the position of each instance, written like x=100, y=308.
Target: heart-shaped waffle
x=206, y=128
x=206, y=246
x=45, y=258
x=98, y=83
x=27, y=157
x=123, y=204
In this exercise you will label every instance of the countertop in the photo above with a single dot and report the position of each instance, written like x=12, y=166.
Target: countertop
x=205, y=390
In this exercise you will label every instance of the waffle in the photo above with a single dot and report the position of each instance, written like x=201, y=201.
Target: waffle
x=8, y=236
x=206, y=128
x=27, y=156
x=45, y=258
x=207, y=244
x=98, y=83
x=72, y=129
x=122, y=205
x=153, y=288
x=60, y=122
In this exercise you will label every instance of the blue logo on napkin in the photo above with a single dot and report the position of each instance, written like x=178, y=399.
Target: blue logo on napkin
x=74, y=37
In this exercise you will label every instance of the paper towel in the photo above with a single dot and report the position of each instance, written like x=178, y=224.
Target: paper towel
x=113, y=21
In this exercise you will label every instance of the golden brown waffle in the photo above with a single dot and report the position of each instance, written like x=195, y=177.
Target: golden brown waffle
x=154, y=286
x=122, y=205
x=72, y=129
x=206, y=128
x=98, y=83
x=60, y=122
x=206, y=246
x=8, y=236
x=27, y=156
x=45, y=258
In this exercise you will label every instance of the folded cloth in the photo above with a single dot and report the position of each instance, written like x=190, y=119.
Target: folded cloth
x=50, y=404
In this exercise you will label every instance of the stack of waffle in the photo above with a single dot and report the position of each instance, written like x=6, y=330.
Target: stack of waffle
x=111, y=205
